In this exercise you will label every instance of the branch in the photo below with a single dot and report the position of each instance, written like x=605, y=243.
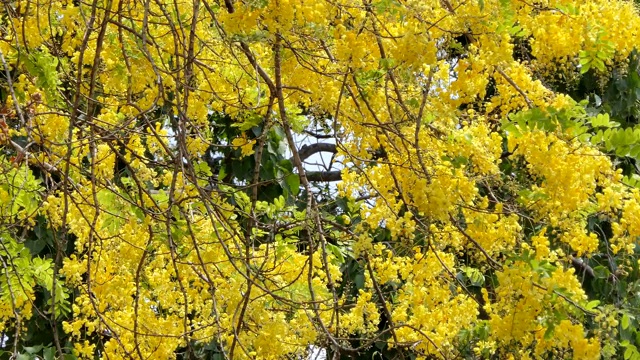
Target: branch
x=494, y=263
x=583, y=267
x=319, y=136
x=566, y=298
x=317, y=176
x=307, y=150
x=229, y=5
x=515, y=86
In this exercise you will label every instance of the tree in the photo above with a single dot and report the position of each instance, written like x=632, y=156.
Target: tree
x=157, y=197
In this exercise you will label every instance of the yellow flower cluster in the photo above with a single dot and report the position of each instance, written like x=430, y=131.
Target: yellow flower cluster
x=159, y=263
x=245, y=145
x=523, y=311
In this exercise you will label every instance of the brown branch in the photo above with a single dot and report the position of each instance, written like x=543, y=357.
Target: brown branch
x=312, y=206
x=319, y=136
x=324, y=176
x=383, y=302
x=515, y=86
x=566, y=298
x=477, y=245
x=307, y=150
x=585, y=268
x=229, y=5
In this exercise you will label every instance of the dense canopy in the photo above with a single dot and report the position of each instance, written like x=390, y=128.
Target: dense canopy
x=161, y=197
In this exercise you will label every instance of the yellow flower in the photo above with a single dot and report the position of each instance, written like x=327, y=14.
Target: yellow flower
x=245, y=145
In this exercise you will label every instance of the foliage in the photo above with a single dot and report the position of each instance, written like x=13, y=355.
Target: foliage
x=158, y=197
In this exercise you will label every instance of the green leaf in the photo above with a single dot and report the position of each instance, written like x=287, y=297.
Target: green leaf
x=592, y=304
x=584, y=138
x=335, y=250
x=33, y=349
x=597, y=138
x=359, y=281
x=386, y=63
x=622, y=151
x=202, y=169
x=633, y=180
x=48, y=354
x=248, y=123
x=631, y=352
x=474, y=275
x=35, y=245
x=601, y=272
x=413, y=102
x=624, y=321
x=600, y=120
x=222, y=173
x=293, y=182
x=599, y=64
x=548, y=334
